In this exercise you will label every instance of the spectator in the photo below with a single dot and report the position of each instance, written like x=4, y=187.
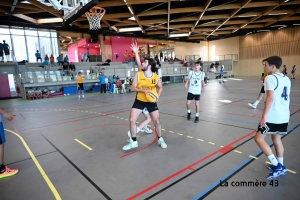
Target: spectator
x=91, y=70
x=87, y=55
x=66, y=59
x=106, y=83
x=82, y=57
x=46, y=92
x=38, y=93
x=114, y=79
x=110, y=81
x=161, y=55
x=30, y=93
x=65, y=66
x=38, y=56
x=72, y=69
x=103, y=83
x=126, y=56
x=6, y=49
x=117, y=56
x=18, y=90
x=59, y=60
x=52, y=60
x=293, y=72
x=132, y=56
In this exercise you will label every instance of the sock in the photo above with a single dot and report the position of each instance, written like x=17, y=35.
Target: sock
x=273, y=160
x=280, y=160
x=189, y=111
x=83, y=95
x=256, y=102
x=133, y=138
x=197, y=114
x=78, y=96
x=159, y=138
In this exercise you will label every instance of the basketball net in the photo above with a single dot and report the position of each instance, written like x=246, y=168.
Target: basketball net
x=94, y=16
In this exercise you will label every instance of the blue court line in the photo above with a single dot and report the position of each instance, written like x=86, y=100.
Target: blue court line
x=204, y=192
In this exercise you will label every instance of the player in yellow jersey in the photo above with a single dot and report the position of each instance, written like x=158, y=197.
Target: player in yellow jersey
x=80, y=80
x=262, y=90
x=144, y=81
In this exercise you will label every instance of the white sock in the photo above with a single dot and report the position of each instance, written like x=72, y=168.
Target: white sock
x=189, y=111
x=83, y=95
x=78, y=96
x=256, y=102
x=273, y=160
x=197, y=114
x=280, y=160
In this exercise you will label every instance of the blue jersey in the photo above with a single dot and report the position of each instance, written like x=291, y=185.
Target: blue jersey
x=222, y=71
x=102, y=79
x=38, y=55
x=58, y=58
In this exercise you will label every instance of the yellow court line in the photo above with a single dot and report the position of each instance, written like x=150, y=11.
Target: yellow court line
x=211, y=143
x=287, y=169
x=189, y=136
x=36, y=162
x=237, y=151
x=86, y=146
x=180, y=134
x=200, y=140
x=163, y=129
x=253, y=157
x=221, y=146
x=171, y=132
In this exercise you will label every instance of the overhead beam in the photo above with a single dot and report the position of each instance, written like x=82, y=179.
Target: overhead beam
x=49, y=20
x=157, y=32
x=21, y=16
x=283, y=17
x=13, y=6
x=245, y=2
x=265, y=12
x=135, y=17
x=200, y=16
x=45, y=8
x=19, y=5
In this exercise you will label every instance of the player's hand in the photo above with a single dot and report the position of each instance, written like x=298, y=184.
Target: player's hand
x=185, y=86
x=8, y=116
x=263, y=122
x=204, y=87
x=146, y=91
x=134, y=47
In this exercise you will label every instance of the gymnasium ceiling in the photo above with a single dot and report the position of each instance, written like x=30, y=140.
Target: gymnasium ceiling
x=195, y=20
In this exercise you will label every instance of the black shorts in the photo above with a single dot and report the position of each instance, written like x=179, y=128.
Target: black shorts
x=80, y=86
x=262, y=75
x=151, y=107
x=191, y=96
x=1, y=54
x=262, y=90
x=272, y=129
x=6, y=52
x=221, y=75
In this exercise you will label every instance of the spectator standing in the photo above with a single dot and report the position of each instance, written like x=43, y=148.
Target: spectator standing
x=6, y=49
x=82, y=57
x=161, y=55
x=293, y=72
x=66, y=59
x=38, y=56
x=87, y=55
x=1, y=53
x=126, y=56
x=52, y=60
x=103, y=83
x=59, y=60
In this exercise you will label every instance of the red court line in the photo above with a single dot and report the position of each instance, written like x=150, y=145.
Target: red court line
x=256, y=113
x=227, y=148
x=128, y=154
x=103, y=115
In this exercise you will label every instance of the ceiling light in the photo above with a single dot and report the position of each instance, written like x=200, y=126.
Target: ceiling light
x=179, y=35
x=281, y=27
x=296, y=24
x=130, y=29
x=278, y=14
x=131, y=18
x=25, y=2
x=262, y=30
x=247, y=15
x=286, y=1
x=248, y=33
x=277, y=25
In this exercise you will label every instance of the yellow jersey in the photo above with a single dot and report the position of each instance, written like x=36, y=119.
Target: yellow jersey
x=79, y=79
x=265, y=75
x=146, y=83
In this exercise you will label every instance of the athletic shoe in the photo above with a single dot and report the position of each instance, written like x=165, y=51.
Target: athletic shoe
x=146, y=129
x=162, y=143
x=275, y=171
x=78, y=98
x=132, y=144
x=252, y=105
x=8, y=172
x=189, y=116
x=219, y=81
x=196, y=119
x=284, y=169
x=129, y=134
x=83, y=97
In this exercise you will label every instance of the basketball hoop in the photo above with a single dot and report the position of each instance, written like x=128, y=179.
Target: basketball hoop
x=94, y=16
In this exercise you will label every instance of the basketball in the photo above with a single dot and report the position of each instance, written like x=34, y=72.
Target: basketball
x=152, y=96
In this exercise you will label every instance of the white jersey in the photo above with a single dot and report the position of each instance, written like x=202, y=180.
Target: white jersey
x=279, y=112
x=195, y=82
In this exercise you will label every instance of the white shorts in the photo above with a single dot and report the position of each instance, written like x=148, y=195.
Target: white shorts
x=145, y=111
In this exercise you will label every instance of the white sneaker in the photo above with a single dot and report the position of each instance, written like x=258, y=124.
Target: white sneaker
x=252, y=105
x=132, y=144
x=162, y=143
x=129, y=134
x=78, y=97
x=146, y=129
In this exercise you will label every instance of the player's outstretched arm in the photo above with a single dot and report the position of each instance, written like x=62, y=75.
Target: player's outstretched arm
x=6, y=114
x=135, y=49
x=159, y=87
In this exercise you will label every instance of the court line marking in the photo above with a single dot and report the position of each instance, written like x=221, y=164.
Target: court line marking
x=36, y=162
x=86, y=146
x=215, y=185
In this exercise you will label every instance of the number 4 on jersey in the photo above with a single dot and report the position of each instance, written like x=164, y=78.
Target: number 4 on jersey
x=284, y=94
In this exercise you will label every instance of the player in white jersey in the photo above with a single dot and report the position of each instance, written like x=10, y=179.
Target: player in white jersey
x=276, y=115
x=194, y=83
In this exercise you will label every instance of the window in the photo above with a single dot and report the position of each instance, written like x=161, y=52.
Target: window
x=32, y=46
x=213, y=53
x=17, y=31
x=19, y=47
x=31, y=32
